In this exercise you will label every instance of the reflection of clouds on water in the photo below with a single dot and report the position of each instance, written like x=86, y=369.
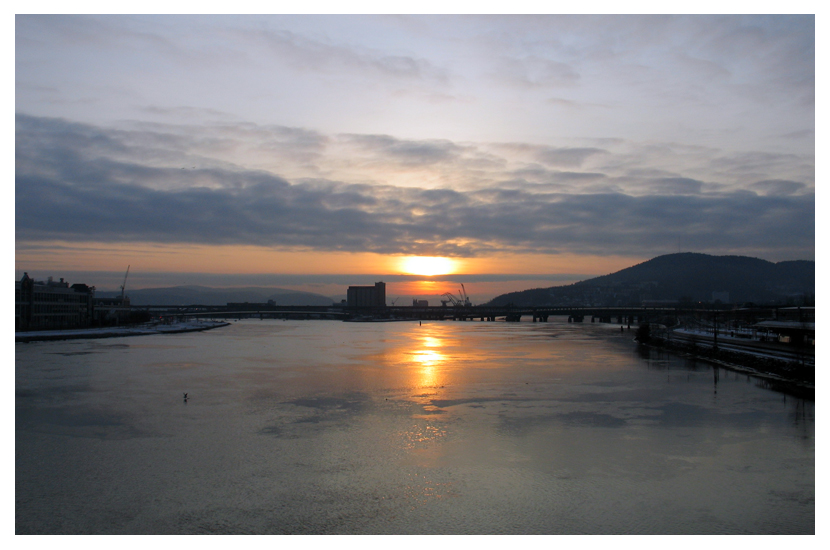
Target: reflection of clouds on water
x=309, y=416
x=94, y=422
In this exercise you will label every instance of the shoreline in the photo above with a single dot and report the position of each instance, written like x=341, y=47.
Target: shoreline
x=116, y=332
x=776, y=373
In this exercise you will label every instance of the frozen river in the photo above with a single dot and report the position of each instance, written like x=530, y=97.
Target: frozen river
x=448, y=427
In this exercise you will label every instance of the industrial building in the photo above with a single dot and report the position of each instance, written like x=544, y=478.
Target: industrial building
x=367, y=296
x=51, y=305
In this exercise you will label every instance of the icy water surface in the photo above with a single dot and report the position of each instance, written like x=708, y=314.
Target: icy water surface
x=449, y=427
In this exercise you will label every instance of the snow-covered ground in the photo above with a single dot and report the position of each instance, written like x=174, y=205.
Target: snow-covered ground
x=110, y=332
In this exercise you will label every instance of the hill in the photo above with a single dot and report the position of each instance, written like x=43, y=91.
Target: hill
x=202, y=295
x=685, y=277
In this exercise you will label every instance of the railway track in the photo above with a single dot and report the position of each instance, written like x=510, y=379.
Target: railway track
x=761, y=349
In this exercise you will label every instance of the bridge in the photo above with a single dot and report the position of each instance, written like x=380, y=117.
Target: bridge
x=621, y=315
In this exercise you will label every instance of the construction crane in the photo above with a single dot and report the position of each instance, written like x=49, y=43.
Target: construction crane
x=455, y=301
x=124, y=285
x=451, y=299
x=464, y=296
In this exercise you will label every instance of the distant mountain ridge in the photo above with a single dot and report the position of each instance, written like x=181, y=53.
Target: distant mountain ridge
x=682, y=277
x=202, y=295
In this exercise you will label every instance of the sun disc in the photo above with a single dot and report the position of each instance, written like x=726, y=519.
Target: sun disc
x=427, y=265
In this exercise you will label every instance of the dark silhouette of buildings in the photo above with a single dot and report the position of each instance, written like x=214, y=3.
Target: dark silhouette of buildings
x=366, y=296
x=51, y=305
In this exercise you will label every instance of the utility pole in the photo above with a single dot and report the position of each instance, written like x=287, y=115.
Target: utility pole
x=715, y=345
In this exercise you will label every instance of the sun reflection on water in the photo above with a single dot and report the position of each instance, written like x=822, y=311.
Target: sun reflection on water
x=431, y=359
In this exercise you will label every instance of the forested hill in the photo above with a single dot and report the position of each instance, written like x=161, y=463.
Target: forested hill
x=683, y=277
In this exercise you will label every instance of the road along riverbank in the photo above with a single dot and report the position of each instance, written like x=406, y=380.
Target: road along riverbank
x=115, y=332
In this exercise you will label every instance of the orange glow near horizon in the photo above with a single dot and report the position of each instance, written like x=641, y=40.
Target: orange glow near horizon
x=431, y=276
x=420, y=288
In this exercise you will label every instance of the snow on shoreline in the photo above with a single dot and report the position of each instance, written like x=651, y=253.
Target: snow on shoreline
x=113, y=332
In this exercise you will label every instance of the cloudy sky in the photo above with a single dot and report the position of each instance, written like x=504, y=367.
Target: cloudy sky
x=312, y=152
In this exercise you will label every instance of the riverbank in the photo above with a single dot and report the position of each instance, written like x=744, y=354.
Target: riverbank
x=788, y=376
x=116, y=332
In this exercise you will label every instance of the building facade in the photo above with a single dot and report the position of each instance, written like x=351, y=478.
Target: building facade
x=367, y=296
x=51, y=305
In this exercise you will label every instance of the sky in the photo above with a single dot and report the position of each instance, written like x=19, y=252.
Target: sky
x=316, y=152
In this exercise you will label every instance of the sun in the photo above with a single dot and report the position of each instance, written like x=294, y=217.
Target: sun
x=427, y=265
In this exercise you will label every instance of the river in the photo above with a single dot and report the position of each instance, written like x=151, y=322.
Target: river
x=448, y=427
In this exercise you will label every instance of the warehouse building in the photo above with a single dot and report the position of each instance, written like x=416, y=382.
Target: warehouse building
x=367, y=296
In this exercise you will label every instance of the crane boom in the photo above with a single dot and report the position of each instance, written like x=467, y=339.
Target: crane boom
x=124, y=284
x=451, y=299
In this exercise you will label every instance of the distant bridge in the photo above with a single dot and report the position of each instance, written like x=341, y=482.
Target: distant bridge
x=619, y=315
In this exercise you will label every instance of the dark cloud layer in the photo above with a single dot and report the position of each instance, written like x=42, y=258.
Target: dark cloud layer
x=80, y=183
x=408, y=152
